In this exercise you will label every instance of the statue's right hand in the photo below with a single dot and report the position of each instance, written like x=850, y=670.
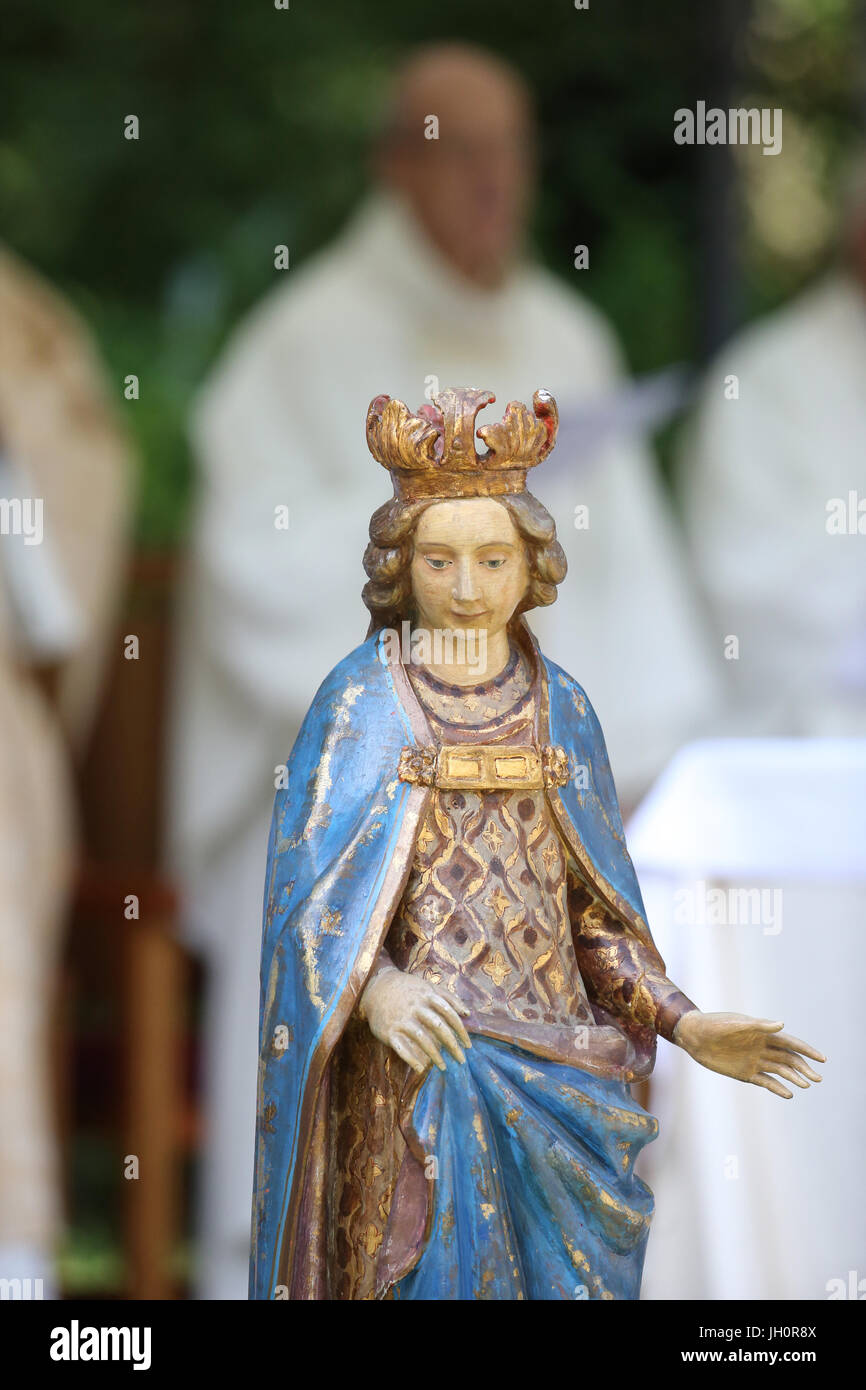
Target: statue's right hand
x=414, y=1017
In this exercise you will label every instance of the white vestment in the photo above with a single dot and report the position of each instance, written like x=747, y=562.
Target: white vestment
x=772, y=482
x=268, y=611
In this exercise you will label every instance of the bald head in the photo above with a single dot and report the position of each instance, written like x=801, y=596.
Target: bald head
x=456, y=144
x=459, y=83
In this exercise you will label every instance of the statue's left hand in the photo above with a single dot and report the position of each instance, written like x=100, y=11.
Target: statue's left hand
x=748, y=1049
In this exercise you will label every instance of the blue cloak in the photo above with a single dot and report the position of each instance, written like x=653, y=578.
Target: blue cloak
x=339, y=856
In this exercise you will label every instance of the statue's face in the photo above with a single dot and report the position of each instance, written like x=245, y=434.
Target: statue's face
x=469, y=567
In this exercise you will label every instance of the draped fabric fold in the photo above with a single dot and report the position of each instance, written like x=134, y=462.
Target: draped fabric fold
x=534, y=1192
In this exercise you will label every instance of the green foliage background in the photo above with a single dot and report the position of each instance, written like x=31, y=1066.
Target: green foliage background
x=254, y=126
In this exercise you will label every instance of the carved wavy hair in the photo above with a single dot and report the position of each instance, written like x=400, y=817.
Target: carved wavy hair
x=388, y=557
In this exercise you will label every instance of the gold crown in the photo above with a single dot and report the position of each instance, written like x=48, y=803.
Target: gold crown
x=432, y=453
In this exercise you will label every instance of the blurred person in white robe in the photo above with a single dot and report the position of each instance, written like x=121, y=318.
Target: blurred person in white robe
x=773, y=473
x=64, y=504
x=428, y=286
x=774, y=490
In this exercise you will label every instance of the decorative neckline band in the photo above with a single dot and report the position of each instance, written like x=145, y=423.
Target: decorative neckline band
x=423, y=673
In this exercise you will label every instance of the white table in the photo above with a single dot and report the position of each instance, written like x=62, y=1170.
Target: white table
x=759, y=1197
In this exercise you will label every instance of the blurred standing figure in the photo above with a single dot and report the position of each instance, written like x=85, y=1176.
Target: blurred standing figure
x=775, y=501
x=428, y=286
x=64, y=500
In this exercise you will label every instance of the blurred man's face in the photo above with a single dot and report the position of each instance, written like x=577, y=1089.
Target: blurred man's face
x=470, y=187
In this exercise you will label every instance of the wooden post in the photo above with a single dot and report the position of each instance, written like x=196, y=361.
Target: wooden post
x=153, y=985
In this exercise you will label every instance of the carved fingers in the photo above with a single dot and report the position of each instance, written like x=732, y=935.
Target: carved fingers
x=449, y=1011
x=781, y=1057
x=788, y=1043
x=415, y=1019
x=770, y=1084
x=782, y=1069
x=408, y=1051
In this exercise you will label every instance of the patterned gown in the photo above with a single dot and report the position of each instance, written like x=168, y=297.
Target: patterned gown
x=528, y=1147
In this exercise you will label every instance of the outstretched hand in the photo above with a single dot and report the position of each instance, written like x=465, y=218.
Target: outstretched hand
x=749, y=1049
x=415, y=1018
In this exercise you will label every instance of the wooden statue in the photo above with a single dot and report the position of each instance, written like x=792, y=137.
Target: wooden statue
x=458, y=982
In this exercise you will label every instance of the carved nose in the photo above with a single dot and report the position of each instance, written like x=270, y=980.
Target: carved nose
x=465, y=590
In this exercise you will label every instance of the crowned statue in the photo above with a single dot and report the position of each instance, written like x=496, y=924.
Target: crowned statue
x=458, y=981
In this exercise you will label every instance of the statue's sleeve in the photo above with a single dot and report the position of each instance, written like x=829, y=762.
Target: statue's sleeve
x=621, y=973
